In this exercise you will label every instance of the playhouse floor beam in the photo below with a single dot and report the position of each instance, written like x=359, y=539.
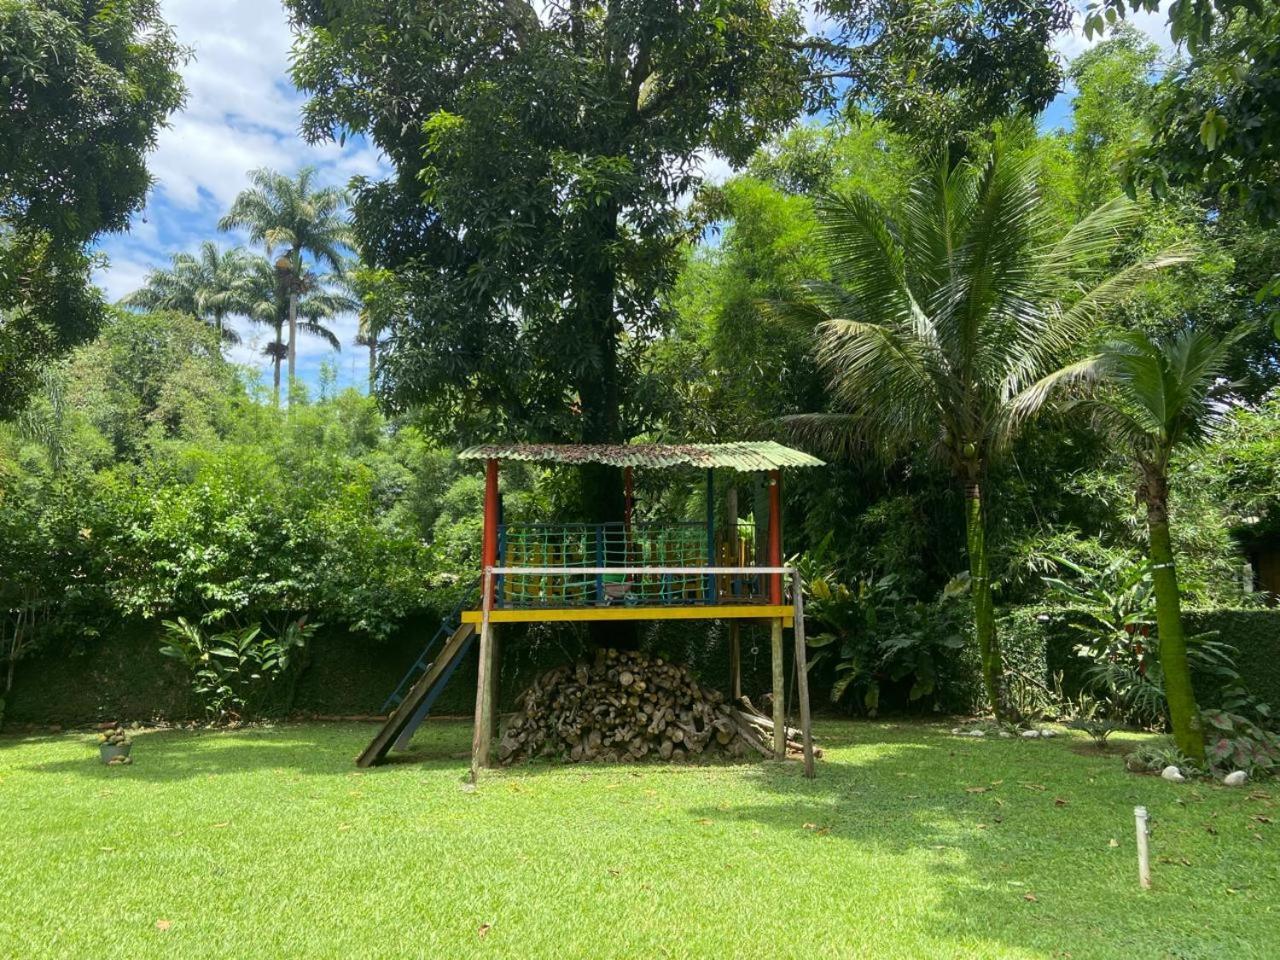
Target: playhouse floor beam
x=740, y=611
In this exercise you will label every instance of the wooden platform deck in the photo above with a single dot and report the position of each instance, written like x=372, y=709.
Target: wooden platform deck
x=735, y=611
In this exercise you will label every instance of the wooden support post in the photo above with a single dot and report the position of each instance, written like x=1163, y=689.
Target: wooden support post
x=802, y=674
x=779, y=692
x=482, y=732
x=711, y=536
x=495, y=681
x=735, y=660
x=731, y=536
x=775, y=534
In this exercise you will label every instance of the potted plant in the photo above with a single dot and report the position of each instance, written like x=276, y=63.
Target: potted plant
x=114, y=746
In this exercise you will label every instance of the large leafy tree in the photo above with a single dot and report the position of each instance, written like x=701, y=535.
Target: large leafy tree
x=294, y=215
x=86, y=86
x=542, y=155
x=1154, y=398
x=210, y=285
x=1215, y=120
x=938, y=69
x=939, y=317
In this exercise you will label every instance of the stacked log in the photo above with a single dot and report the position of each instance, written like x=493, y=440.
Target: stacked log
x=628, y=706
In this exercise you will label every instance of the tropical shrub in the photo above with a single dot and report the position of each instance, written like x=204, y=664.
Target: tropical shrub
x=1238, y=743
x=876, y=633
x=231, y=668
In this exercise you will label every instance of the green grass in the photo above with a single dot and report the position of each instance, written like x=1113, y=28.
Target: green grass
x=269, y=843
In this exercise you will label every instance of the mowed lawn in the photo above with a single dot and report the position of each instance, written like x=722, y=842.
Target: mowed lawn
x=268, y=842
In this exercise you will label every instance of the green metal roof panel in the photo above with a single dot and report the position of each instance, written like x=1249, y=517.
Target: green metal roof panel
x=745, y=457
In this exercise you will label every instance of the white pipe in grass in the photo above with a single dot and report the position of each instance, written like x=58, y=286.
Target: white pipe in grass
x=1144, y=854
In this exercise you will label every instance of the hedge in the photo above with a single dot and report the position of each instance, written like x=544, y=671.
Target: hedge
x=123, y=676
x=1255, y=634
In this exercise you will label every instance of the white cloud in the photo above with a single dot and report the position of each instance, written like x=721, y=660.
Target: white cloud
x=242, y=112
x=1155, y=24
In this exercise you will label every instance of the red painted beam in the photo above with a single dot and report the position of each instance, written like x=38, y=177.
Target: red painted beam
x=489, y=551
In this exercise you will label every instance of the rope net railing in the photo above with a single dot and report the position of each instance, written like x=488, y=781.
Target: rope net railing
x=569, y=559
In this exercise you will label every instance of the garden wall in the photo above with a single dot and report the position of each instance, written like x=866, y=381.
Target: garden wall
x=123, y=676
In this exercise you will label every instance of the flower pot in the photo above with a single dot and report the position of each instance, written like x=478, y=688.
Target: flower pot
x=112, y=750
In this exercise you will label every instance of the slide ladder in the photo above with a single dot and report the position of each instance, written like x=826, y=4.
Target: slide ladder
x=416, y=704
x=447, y=626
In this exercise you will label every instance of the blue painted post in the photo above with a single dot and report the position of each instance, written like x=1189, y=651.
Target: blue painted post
x=711, y=534
x=502, y=549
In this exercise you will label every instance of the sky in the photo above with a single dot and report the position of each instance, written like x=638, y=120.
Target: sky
x=242, y=112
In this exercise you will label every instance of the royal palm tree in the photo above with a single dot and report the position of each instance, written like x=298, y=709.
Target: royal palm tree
x=939, y=315
x=292, y=215
x=211, y=286
x=270, y=303
x=1153, y=398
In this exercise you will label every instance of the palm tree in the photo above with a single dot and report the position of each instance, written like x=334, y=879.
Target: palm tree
x=270, y=303
x=939, y=318
x=1154, y=398
x=210, y=286
x=291, y=214
x=367, y=336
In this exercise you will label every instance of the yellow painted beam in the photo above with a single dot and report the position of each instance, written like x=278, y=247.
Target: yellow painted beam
x=562, y=614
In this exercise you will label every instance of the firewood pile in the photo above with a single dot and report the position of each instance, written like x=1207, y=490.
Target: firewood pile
x=627, y=706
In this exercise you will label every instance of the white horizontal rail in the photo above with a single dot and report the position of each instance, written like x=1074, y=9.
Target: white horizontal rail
x=686, y=571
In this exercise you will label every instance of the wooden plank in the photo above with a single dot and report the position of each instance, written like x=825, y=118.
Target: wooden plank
x=696, y=612
x=779, y=692
x=802, y=677
x=403, y=714
x=735, y=659
x=495, y=676
x=482, y=735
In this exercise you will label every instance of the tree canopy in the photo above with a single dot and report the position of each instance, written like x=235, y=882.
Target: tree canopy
x=87, y=87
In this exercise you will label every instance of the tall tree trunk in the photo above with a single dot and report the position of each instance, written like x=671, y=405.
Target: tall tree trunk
x=373, y=364
x=598, y=387
x=1184, y=715
x=984, y=618
x=275, y=367
x=603, y=494
x=293, y=340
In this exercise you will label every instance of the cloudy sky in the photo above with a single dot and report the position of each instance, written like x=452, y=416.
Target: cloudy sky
x=242, y=112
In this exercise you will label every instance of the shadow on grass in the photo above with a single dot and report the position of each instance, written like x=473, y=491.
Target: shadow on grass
x=311, y=749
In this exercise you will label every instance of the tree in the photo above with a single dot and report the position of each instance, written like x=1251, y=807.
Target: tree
x=1215, y=119
x=543, y=152
x=209, y=286
x=290, y=213
x=937, y=70
x=87, y=85
x=940, y=314
x=1154, y=398
x=274, y=298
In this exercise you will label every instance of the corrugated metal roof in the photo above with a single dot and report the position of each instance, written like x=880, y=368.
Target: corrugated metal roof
x=747, y=456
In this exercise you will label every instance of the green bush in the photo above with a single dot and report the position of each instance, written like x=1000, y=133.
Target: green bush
x=1045, y=639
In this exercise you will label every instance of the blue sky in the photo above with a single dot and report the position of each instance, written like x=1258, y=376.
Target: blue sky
x=242, y=112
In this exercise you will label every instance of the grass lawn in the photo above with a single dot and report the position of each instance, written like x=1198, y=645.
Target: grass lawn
x=911, y=843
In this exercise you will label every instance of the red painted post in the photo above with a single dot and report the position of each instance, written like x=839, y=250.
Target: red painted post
x=775, y=534
x=489, y=552
x=628, y=496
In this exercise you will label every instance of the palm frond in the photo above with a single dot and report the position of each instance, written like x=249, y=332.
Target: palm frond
x=1029, y=401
